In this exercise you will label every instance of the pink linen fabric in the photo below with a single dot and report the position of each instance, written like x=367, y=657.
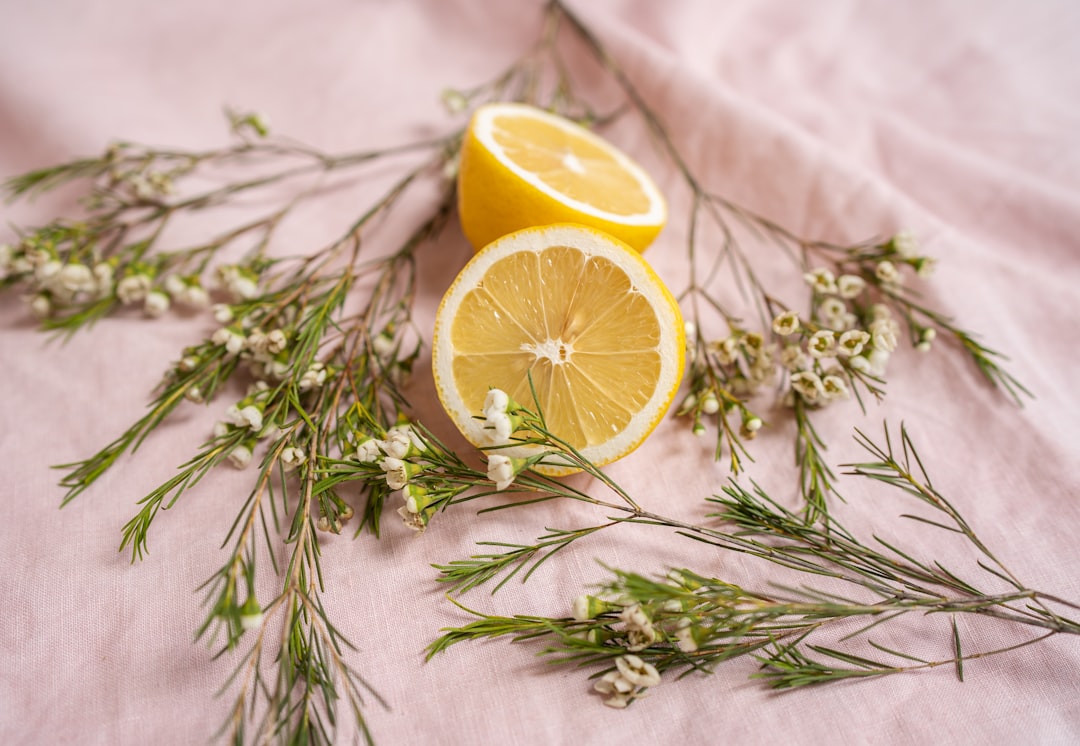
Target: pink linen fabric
x=838, y=119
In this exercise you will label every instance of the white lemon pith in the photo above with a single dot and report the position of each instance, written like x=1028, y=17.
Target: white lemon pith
x=582, y=314
x=522, y=167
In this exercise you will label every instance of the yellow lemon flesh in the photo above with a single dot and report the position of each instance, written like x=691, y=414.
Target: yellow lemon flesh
x=522, y=167
x=582, y=314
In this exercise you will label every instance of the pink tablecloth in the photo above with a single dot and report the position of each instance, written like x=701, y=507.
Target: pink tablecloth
x=838, y=119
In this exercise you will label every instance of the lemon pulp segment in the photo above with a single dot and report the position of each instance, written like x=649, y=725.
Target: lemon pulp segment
x=575, y=323
x=570, y=164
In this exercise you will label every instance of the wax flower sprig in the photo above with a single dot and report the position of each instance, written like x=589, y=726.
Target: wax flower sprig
x=832, y=345
x=634, y=629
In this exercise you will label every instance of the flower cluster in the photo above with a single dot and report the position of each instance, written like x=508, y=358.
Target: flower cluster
x=244, y=423
x=404, y=459
x=846, y=339
x=64, y=272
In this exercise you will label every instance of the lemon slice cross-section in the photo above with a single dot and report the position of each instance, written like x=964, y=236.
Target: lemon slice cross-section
x=522, y=166
x=583, y=316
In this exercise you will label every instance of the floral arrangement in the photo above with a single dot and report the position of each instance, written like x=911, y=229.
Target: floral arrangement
x=322, y=341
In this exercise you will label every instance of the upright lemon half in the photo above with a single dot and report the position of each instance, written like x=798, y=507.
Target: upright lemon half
x=522, y=166
x=582, y=314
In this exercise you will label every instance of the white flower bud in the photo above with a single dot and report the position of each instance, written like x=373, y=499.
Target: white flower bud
x=369, y=451
x=133, y=288
x=77, y=278
x=501, y=470
x=156, y=304
x=240, y=456
x=223, y=313
x=397, y=476
x=710, y=404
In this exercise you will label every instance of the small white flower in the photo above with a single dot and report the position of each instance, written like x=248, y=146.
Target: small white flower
x=276, y=341
x=194, y=394
x=822, y=343
x=133, y=288
x=794, y=358
x=752, y=425
x=41, y=306
x=240, y=456
x=415, y=521
x=684, y=639
x=397, y=476
x=883, y=335
x=879, y=360
x=832, y=308
x=821, y=280
x=639, y=629
x=887, y=272
x=313, y=378
x=243, y=288
x=834, y=387
x=859, y=363
x=396, y=444
x=223, y=313
x=617, y=689
x=174, y=285
x=501, y=471
x=155, y=304
x=368, y=451
x=499, y=426
x=48, y=272
x=230, y=339
x=104, y=275
x=905, y=244
x=880, y=311
x=637, y=671
x=194, y=296
x=77, y=278
x=725, y=349
x=221, y=429
x=496, y=399
x=850, y=286
x=691, y=332
x=808, y=385
x=843, y=322
x=852, y=342
x=292, y=457
x=188, y=364
x=786, y=323
x=384, y=348
x=248, y=416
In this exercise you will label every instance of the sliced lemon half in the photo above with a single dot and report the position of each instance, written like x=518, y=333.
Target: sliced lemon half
x=582, y=314
x=522, y=166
